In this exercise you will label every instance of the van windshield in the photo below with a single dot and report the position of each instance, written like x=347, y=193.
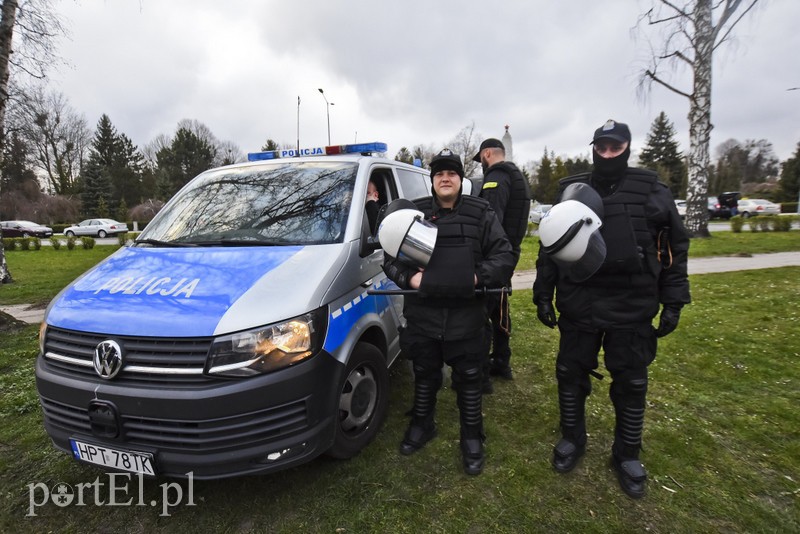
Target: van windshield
x=286, y=204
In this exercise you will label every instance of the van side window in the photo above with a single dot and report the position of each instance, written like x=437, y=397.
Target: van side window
x=414, y=184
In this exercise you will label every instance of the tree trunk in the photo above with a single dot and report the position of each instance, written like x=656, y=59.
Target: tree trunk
x=700, y=123
x=9, y=16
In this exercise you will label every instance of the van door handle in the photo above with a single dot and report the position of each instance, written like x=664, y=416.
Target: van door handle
x=367, y=283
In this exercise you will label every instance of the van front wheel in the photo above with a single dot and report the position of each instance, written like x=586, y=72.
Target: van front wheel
x=363, y=401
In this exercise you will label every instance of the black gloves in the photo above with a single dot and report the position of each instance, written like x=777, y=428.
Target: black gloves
x=547, y=315
x=670, y=315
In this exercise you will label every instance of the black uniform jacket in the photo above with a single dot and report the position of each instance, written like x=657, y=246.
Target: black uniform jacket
x=625, y=293
x=472, y=223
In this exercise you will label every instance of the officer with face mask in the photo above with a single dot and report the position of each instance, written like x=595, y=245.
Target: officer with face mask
x=445, y=319
x=612, y=305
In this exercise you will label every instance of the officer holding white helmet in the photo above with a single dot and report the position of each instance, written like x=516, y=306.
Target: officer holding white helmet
x=445, y=320
x=613, y=251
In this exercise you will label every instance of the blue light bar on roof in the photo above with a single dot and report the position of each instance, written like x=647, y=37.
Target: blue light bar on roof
x=359, y=148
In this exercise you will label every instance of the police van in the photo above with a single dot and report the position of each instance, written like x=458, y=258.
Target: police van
x=235, y=335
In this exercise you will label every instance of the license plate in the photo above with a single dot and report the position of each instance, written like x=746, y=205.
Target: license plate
x=131, y=461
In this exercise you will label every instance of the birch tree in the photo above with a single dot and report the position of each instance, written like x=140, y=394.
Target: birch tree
x=690, y=32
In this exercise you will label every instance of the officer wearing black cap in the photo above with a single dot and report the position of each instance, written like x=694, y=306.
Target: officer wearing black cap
x=445, y=319
x=644, y=270
x=508, y=193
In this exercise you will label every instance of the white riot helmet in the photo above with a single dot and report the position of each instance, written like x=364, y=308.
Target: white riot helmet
x=570, y=232
x=404, y=234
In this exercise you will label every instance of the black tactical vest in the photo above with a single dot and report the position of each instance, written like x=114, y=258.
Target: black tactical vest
x=630, y=245
x=460, y=226
x=515, y=219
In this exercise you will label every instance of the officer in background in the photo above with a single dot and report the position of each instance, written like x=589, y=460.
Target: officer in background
x=509, y=194
x=644, y=269
x=445, y=320
x=372, y=205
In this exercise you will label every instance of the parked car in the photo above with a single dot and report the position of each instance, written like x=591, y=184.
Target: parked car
x=715, y=209
x=96, y=227
x=681, y=205
x=25, y=229
x=538, y=211
x=757, y=206
x=718, y=210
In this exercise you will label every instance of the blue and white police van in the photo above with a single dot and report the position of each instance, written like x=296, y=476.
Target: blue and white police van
x=235, y=335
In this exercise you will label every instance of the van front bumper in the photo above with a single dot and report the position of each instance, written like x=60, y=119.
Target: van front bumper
x=213, y=429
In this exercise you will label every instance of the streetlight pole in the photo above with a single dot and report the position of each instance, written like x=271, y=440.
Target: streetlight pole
x=327, y=113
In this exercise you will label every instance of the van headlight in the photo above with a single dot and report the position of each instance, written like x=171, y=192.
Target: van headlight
x=268, y=348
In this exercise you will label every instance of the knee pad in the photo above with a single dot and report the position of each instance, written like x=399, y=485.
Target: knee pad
x=468, y=373
x=427, y=371
x=573, y=377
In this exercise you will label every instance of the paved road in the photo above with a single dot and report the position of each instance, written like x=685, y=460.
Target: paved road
x=524, y=279
x=713, y=264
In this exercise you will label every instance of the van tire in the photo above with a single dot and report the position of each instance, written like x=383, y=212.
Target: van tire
x=363, y=401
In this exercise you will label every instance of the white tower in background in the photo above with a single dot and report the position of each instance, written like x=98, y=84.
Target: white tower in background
x=509, y=145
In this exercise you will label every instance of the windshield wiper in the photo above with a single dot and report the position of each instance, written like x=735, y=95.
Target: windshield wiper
x=240, y=243
x=164, y=243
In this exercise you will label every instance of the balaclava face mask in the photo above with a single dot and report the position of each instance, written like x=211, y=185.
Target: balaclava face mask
x=611, y=168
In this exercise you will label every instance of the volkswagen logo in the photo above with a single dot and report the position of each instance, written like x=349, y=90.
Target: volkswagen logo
x=107, y=359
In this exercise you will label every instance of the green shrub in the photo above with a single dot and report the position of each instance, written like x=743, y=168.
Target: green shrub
x=70, y=242
x=736, y=224
x=123, y=238
x=788, y=207
x=59, y=228
x=782, y=223
x=764, y=223
x=37, y=243
x=24, y=243
x=87, y=242
x=55, y=242
x=9, y=243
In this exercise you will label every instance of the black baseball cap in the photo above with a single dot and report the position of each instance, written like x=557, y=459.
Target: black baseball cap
x=612, y=129
x=488, y=143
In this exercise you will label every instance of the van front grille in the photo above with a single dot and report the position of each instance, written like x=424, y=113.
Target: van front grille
x=155, y=360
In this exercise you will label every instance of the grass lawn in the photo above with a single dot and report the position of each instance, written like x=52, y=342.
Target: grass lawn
x=722, y=443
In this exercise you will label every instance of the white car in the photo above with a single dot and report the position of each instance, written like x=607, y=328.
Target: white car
x=681, y=205
x=757, y=206
x=538, y=211
x=96, y=227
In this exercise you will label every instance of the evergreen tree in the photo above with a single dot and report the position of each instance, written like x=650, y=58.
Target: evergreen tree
x=661, y=154
x=96, y=186
x=120, y=162
x=404, y=155
x=102, y=208
x=545, y=188
x=187, y=156
x=578, y=165
x=790, y=178
x=122, y=211
x=269, y=146
x=15, y=165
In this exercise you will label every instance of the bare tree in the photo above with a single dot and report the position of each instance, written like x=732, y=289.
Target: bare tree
x=36, y=27
x=466, y=144
x=691, y=32
x=59, y=136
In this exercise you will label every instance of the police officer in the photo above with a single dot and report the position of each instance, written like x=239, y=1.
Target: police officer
x=445, y=320
x=644, y=270
x=509, y=194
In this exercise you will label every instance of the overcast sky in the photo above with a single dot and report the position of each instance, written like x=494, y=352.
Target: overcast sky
x=413, y=72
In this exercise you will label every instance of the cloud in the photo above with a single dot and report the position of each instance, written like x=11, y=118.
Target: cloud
x=412, y=72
